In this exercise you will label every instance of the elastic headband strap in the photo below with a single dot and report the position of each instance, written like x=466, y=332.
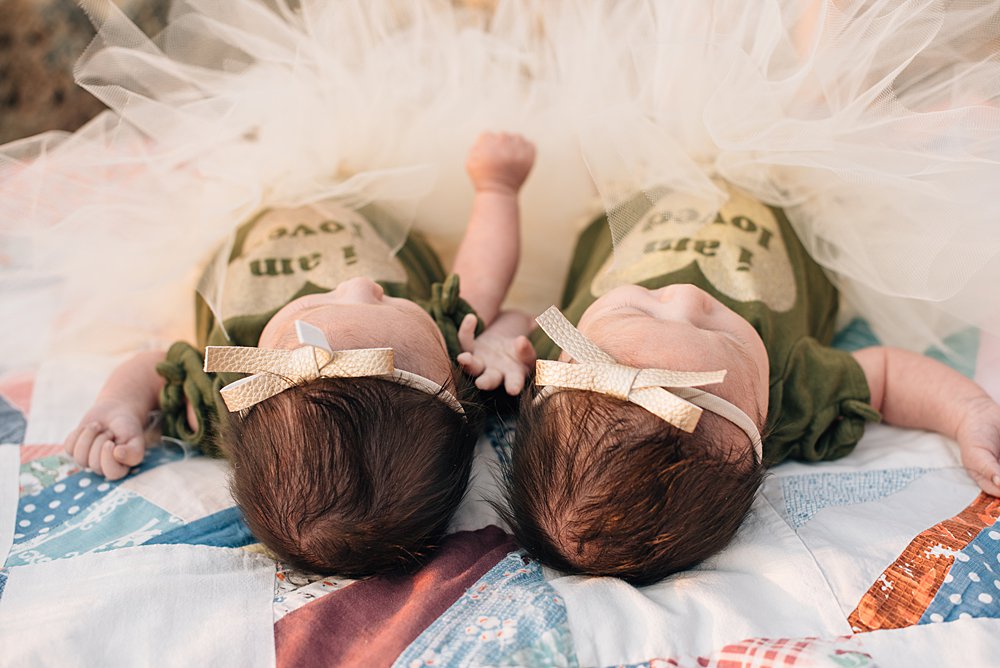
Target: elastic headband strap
x=670, y=395
x=274, y=371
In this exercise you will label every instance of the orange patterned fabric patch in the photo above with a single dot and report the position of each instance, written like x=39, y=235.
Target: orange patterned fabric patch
x=900, y=596
x=30, y=453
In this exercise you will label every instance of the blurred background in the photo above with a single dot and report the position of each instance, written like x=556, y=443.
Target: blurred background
x=40, y=40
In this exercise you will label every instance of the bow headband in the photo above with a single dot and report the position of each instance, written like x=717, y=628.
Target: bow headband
x=274, y=371
x=670, y=395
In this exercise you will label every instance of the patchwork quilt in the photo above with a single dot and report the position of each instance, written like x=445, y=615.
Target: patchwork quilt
x=890, y=557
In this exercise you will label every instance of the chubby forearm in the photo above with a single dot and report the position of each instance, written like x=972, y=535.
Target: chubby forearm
x=488, y=255
x=512, y=323
x=487, y=258
x=911, y=390
x=135, y=382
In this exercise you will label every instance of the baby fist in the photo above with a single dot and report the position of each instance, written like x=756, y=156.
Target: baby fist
x=499, y=162
x=109, y=441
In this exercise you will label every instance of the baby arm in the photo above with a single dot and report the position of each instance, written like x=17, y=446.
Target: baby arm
x=486, y=261
x=912, y=390
x=487, y=258
x=110, y=438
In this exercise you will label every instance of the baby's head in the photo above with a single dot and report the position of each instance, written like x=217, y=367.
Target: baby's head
x=602, y=486
x=354, y=476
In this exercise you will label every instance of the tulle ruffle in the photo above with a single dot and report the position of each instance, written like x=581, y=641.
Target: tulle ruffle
x=875, y=123
x=249, y=104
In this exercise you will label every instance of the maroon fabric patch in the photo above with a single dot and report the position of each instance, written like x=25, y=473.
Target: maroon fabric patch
x=371, y=622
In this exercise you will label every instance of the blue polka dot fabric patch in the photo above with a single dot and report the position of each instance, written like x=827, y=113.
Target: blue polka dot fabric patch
x=38, y=513
x=972, y=586
x=83, y=513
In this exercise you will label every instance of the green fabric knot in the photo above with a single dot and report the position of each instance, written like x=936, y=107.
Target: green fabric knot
x=861, y=409
x=172, y=372
x=448, y=310
x=187, y=383
x=449, y=292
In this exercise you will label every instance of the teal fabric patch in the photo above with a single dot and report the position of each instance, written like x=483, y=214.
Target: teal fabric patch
x=857, y=334
x=960, y=351
x=12, y=423
x=225, y=528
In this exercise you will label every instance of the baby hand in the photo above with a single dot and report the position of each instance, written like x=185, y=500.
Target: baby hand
x=109, y=440
x=978, y=439
x=500, y=162
x=495, y=357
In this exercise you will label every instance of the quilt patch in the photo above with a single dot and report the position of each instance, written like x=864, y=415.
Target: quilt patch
x=904, y=593
x=510, y=617
x=30, y=453
x=12, y=423
x=777, y=653
x=294, y=589
x=225, y=528
x=65, y=512
x=972, y=586
x=42, y=472
x=806, y=495
x=116, y=520
x=38, y=475
x=374, y=620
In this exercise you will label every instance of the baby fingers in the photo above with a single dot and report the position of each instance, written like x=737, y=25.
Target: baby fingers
x=489, y=379
x=81, y=441
x=467, y=332
x=103, y=440
x=514, y=382
x=111, y=468
x=524, y=351
x=131, y=453
x=471, y=364
x=987, y=482
x=984, y=469
x=70, y=443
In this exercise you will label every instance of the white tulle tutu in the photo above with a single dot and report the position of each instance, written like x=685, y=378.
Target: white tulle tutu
x=876, y=124
x=247, y=104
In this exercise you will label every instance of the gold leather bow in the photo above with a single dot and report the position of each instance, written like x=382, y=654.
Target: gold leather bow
x=274, y=371
x=670, y=395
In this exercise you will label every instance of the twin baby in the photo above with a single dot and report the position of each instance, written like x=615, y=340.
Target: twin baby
x=341, y=389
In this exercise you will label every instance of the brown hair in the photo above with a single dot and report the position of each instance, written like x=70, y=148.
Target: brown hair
x=600, y=486
x=349, y=476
